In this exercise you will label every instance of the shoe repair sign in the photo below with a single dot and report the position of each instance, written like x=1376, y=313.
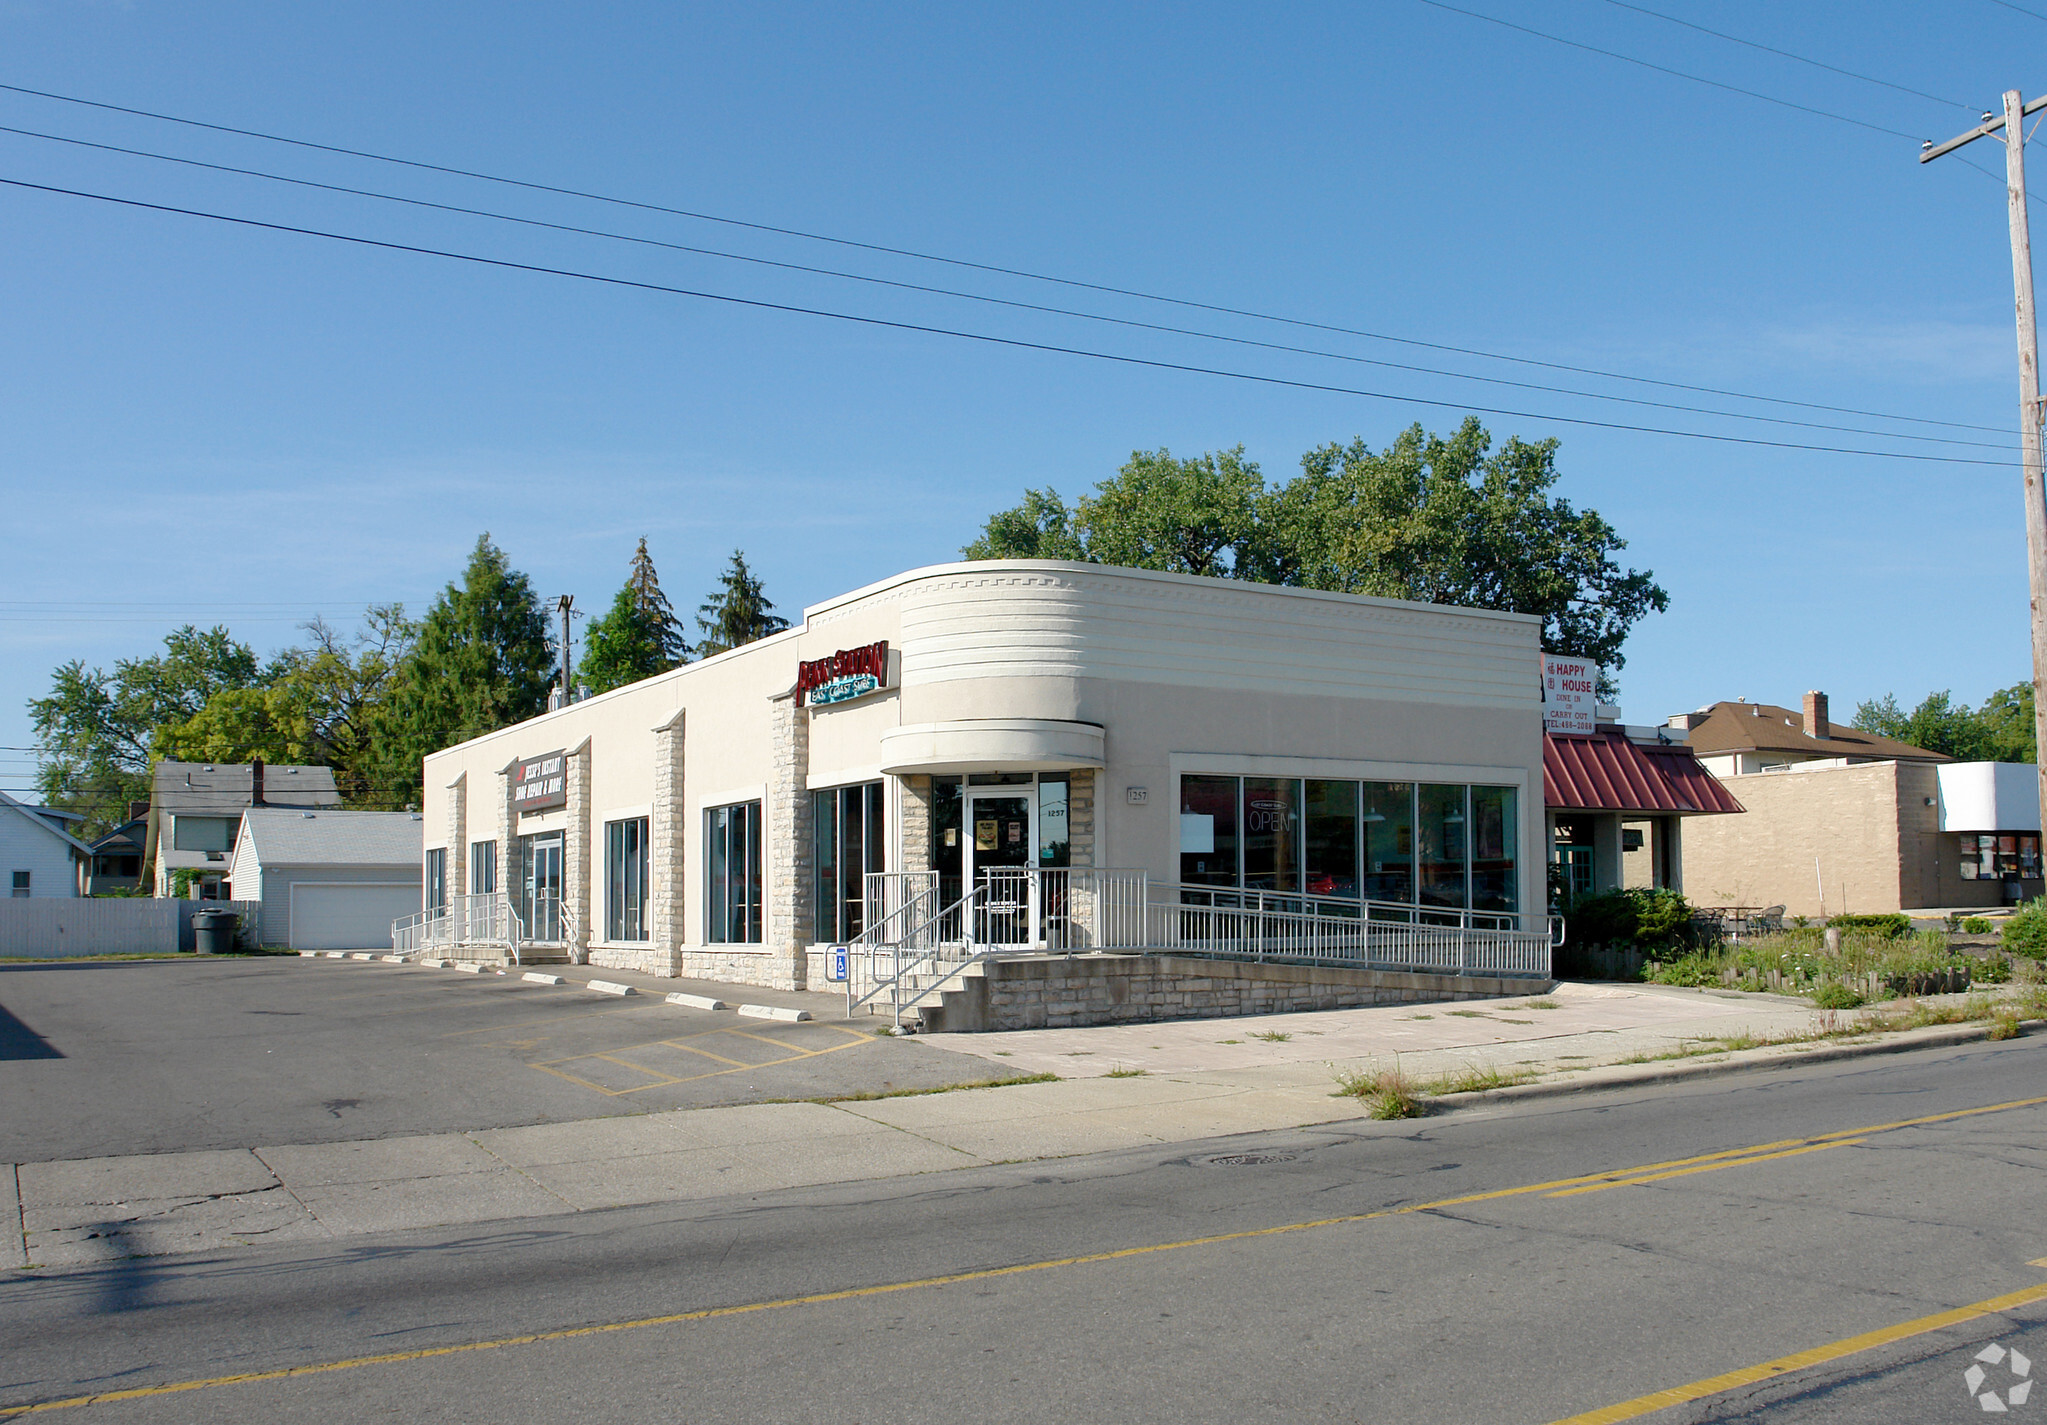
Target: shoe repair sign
x=541, y=783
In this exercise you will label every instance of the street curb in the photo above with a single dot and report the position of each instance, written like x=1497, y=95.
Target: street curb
x=697, y=1001
x=537, y=978
x=610, y=987
x=774, y=1011
x=1768, y=1056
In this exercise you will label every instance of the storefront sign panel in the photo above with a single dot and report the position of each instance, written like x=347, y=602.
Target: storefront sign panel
x=1569, y=694
x=541, y=783
x=849, y=673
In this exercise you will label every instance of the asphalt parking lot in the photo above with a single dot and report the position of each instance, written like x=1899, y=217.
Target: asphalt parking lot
x=154, y=1056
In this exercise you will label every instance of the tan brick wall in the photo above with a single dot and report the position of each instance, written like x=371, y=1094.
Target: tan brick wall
x=1850, y=818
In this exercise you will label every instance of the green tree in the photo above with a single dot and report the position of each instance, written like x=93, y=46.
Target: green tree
x=638, y=637
x=2000, y=731
x=1437, y=520
x=95, y=731
x=737, y=612
x=1450, y=522
x=315, y=704
x=481, y=660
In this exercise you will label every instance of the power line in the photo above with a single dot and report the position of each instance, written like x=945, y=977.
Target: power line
x=995, y=269
x=1038, y=307
x=1015, y=343
x=1787, y=54
x=2020, y=8
x=1674, y=73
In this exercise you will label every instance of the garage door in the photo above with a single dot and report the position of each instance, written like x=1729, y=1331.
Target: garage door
x=338, y=917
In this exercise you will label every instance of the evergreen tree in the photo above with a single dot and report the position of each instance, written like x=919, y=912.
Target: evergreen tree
x=639, y=637
x=482, y=660
x=737, y=612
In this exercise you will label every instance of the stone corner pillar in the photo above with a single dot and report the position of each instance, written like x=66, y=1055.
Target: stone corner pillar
x=579, y=859
x=668, y=838
x=457, y=825
x=790, y=919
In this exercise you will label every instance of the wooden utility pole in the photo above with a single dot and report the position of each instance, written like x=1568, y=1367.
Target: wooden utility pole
x=2013, y=123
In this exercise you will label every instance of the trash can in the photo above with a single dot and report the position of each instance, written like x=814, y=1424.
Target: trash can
x=213, y=931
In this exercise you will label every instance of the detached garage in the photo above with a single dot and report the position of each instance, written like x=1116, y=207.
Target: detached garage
x=328, y=880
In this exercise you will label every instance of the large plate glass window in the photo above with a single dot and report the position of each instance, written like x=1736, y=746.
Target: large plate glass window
x=1441, y=838
x=851, y=841
x=1272, y=834
x=540, y=887
x=1388, y=834
x=625, y=876
x=1495, y=884
x=1330, y=858
x=1208, y=831
x=732, y=862
x=483, y=868
x=437, y=880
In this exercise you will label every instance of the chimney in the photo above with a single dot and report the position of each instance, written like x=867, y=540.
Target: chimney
x=1816, y=724
x=256, y=764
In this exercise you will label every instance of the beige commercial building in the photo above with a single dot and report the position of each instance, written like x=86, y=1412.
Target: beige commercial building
x=724, y=820
x=1839, y=820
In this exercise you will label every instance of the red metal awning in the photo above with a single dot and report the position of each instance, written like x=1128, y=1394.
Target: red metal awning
x=1607, y=772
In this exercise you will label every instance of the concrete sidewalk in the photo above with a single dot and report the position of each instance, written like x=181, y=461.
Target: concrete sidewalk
x=1199, y=1079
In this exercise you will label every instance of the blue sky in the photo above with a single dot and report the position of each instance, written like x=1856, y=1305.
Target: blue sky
x=220, y=424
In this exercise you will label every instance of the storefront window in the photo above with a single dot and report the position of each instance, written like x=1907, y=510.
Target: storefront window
x=1330, y=856
x=1272, y=832
x=1389, y=841
x=850, y=842
x=625, y=873
x=437, y=880
x=1494, y=881
x=1055, y=846
x=1440, y=842
x=2000, y=856
x=483, y=868
x=1208, y=831
x=732, y=861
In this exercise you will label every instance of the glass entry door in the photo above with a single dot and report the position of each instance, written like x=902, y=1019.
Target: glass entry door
x=540, y=898
x=1001, y=847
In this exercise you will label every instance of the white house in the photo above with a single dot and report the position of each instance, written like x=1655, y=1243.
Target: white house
x=328, y=879
x=38, y=852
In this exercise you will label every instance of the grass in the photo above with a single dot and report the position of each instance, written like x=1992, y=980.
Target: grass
x=871, y=1095
x=1544, y=1003
x=1394, y=1093
x=1119, y=1072
x=1272, y=1036
x=1386, y=1093
x=1417, y=1016
x=1471, y=1014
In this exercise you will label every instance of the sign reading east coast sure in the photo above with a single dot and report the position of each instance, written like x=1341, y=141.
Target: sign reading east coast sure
x=850, y=673
x=1570, y=694
x=540, y=783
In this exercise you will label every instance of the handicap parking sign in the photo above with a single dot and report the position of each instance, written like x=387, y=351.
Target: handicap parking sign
x=837, y=970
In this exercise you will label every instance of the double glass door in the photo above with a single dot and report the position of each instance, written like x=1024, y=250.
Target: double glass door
x=1000, y=837
x=540, y=892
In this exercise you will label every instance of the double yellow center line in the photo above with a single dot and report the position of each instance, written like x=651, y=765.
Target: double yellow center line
x=1562, y=1187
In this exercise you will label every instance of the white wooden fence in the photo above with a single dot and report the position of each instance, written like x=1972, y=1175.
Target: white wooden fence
x=55, y=928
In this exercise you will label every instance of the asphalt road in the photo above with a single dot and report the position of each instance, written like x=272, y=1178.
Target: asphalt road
x=1456, y=1269
x=153, y=1056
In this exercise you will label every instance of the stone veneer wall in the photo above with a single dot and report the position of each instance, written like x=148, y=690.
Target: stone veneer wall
x=1058, y=992
x=667, y=840
x=511, y=872
x=1080, y=817
x=578, y=856
x=458, y=839
x=782, y=963
x=916, y=831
